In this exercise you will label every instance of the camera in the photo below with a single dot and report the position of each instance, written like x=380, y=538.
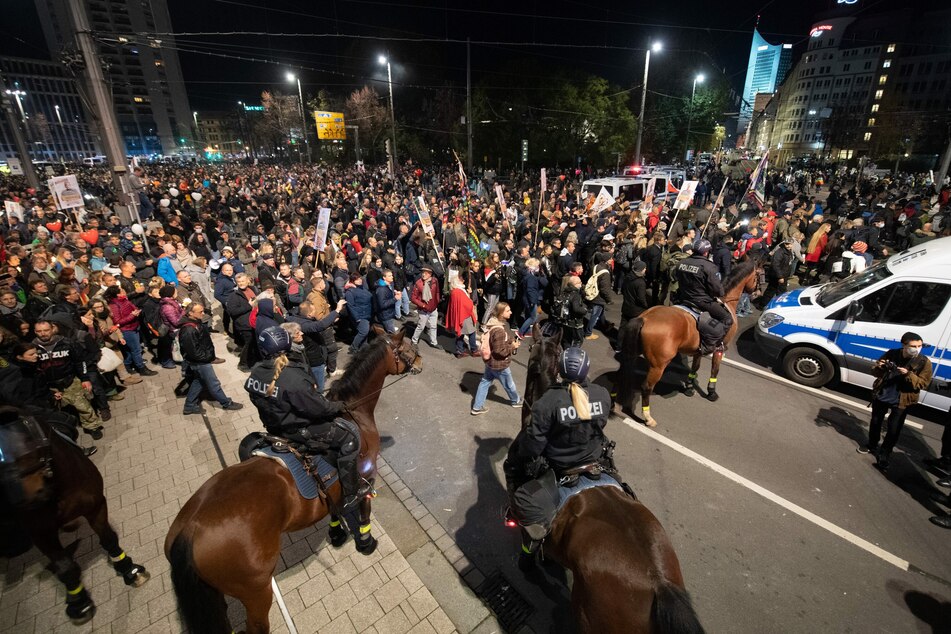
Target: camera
x=890, y=366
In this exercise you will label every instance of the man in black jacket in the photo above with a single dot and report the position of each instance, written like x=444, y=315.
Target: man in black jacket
x=198, y=353
x=63, y=367
x=699, y=287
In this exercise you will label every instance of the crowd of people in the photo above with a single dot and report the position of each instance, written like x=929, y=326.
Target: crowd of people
x=90, y=304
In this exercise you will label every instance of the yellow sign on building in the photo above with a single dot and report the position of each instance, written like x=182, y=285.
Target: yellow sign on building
x=330, y=125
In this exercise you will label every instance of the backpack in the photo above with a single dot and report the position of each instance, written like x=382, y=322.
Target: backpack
x=625, y=257
x=591, y=286
x=152, y=319
x=486, y=349
x=561, y=308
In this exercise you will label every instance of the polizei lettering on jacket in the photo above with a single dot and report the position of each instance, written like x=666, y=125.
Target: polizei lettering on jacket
x=570, y=413
x=255, y=385
x=689, y=268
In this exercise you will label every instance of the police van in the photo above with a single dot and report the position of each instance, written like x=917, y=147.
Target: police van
x=632, y=187
x=839, y=330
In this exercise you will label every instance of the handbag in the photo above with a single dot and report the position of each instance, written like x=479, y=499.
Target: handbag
x=109, y=360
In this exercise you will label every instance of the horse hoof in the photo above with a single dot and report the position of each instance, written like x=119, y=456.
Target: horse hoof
x=81, y=613
x=650, y=422
x=338, y=536
x=688, y=391
x=367, y=546
x=712, y=396
x=139, y=580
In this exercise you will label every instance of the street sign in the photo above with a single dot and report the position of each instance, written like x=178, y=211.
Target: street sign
x=253, y=108
x=524, y=149
x=330, y=125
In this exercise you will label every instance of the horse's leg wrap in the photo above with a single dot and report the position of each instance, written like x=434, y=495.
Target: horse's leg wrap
x=337, y=533
x=79, y=606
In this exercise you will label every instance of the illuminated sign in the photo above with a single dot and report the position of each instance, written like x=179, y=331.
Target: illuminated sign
x=762, y=48
x=787, y=45
x=847, y=1
x=330, y=125
x=818, y=30
x=254, y=108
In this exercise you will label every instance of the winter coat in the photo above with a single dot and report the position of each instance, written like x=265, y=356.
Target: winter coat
x=359, y=303
x=122, y=316
x=171, y=312
x=384, y=302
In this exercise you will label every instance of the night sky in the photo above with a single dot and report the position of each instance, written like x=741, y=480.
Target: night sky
x=699, y=36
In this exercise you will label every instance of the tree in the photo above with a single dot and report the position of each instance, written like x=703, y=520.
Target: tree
x=281, y=115
x=363, y=108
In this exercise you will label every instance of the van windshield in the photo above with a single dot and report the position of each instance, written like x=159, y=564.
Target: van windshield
x=833, y=293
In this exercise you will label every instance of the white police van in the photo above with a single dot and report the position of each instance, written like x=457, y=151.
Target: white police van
x=841, y=329
x=632, y=187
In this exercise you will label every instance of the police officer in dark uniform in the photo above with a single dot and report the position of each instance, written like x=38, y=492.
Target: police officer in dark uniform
x=566, y=431
x=290, y=405
x=700, y=288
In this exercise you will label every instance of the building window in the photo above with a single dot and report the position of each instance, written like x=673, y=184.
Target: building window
x=878, y=94
x=887, y=63
x=159, y=63
x=867, y=136
x=890, y=49
x=882, y=79
x=874, y=107
x=138, y=100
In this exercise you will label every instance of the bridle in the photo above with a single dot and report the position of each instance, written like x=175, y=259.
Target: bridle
x=405, y=372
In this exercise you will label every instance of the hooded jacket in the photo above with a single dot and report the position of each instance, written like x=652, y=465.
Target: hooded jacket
x=60, y=361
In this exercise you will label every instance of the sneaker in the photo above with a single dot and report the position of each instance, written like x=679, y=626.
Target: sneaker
x=115, y=397
x=519, y=335
x=944, y=521
x=196, y=410
x=593, y=336
x=169, y=365
x=144, y=371
x=218, y=361
x=864, y=449
x=518, y=403
x=105, y=414
x=233, y=406
x=476, y=412
x=944, y=482
x=336, y=373
x=460, y=355
x=132, y=379
x=95, y=433
x=88, y=451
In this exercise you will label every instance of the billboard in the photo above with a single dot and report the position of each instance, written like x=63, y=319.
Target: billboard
x=330, y=125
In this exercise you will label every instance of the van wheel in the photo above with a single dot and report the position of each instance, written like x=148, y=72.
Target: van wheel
x=808, y=366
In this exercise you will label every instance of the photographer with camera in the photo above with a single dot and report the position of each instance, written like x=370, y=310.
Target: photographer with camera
x=901, y=374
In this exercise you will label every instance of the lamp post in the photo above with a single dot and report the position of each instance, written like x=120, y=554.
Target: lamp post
x=291, y=77
x=62, y=133
x=17, y=94
x=389, y=78
x=197, y=132
x=655, y=47
x=693, y=93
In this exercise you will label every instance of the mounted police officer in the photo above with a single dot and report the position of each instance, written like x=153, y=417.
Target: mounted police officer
x=566, y=431
x=290, y=405
x=699, y=287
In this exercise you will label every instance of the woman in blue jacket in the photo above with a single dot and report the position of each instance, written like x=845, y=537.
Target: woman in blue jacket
x=384, y=302
x=360, y=308
x=534, y=283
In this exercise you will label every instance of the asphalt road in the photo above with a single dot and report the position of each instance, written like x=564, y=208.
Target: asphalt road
x=752, y=560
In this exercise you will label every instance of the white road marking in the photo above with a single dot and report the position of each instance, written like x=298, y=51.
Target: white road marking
x=280, y=603
x=865, y=545
x=811, y=390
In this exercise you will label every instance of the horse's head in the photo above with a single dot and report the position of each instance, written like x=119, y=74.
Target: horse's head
x=26, y=472
x=405, y=355
x=542, y=363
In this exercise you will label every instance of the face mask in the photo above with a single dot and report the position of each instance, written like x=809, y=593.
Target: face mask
x=912, y=351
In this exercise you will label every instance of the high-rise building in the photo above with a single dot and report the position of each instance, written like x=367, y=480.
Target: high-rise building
x=870, y=85
x=767, y=68
x=144, y=73
x=48, y=105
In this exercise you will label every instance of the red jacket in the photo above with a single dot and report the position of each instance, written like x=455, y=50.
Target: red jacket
x=122, y=316
x=417, y=295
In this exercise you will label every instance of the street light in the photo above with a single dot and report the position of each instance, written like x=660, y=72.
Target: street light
x=696, y=80
x=655, y=47
x=389, y=78
x=291, y=77
x=17, y=93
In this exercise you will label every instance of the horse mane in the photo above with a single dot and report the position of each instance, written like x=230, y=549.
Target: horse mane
x=358, y=371
x=738, y=274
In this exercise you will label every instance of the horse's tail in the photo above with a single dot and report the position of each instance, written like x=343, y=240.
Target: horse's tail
x=202, y=607
x=672, y=612
x=631, y=337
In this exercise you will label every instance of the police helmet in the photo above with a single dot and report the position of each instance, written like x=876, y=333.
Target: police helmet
x=574, y=364
x=702, y=247
x=274, y=341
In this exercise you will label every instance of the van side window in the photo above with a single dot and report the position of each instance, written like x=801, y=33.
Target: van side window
x=907, y=303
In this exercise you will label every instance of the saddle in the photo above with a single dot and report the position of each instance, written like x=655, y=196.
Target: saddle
x=711, y=330
x=306, y=461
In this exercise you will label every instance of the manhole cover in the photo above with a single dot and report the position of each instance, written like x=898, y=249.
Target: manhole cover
x=510, y=608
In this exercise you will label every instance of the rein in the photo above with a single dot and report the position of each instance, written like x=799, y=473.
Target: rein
x=406, y=372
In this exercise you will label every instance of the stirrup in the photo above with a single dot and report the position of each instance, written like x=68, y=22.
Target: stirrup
x=365, y=490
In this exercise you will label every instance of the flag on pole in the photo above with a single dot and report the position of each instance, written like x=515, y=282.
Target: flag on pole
x=603, y=201
x=757, y=191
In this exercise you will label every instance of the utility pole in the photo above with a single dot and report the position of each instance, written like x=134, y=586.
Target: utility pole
x=945, y=164
x=356, y=135
x=102, y=104
x=469, y=104
x=19, y=140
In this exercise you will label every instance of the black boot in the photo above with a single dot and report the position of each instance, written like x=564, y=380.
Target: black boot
x=354, y=488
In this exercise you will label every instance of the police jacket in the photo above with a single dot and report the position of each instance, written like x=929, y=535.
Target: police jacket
x=557, y=433
x=60, y=361
x=699, y=283
x=295, y=401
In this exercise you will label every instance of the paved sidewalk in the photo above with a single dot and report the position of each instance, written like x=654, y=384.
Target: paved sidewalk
x=153, y=459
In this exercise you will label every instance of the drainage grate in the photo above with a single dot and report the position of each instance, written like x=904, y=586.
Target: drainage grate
x=510, y=608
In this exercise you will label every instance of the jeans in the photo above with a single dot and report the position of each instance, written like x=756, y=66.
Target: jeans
x=132, y=350
x=460, y=343
x=504, y=377
x=320, y=375
x=363, y=329
x=429, y=322
x=596, y=311
x=896, y=420
x=490, y=303
x=744, y=305
x=402, y=305
x=531, y=316
x=202, y=375
x=389, y=325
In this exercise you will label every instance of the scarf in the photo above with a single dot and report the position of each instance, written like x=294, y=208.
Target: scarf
x=427, y=292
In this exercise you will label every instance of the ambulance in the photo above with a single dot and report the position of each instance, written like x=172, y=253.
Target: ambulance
x=839, y=330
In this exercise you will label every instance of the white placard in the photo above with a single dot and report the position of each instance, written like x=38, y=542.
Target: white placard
x=424, y=218
x=603, y=201
x=13, y=209
x=544, y=181
x=66, y=192
x=648, y=201
x=685, y=197
x=16, y=168
x=323, y=225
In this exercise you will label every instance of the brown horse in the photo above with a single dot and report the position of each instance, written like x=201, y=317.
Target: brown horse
x=662, y=332
x=227, y=537
x=625, y=574
x=50, y=485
